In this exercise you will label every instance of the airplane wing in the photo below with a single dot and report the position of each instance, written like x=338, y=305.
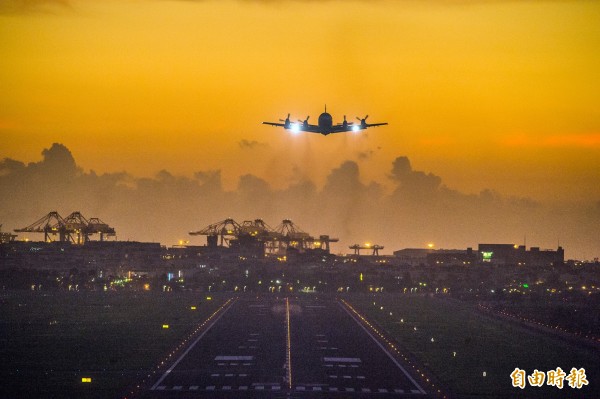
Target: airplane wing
x=376, y=124
x=341, y=129
x=309, y=128
x=274, y=124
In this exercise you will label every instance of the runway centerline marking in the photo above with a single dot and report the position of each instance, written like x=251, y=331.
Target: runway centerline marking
x=288, y=344
x=192, y=346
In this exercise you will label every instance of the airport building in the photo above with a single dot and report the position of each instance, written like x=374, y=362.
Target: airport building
x=510, y=254
x=413, y=256
x=486, y=254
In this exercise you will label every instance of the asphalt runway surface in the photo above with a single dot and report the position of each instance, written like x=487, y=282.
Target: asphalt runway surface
x=270, y=347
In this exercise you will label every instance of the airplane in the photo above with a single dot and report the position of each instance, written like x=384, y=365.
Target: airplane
x=325, y=125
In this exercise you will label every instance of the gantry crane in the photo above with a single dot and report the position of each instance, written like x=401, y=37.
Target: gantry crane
x=74, y=228
x=51, y=225
x=292, y=236
x=375, y=248
x=97, y=226
x=256, y=234
x=225, y=229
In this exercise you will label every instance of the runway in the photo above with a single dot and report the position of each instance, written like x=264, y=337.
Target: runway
x=285, y=347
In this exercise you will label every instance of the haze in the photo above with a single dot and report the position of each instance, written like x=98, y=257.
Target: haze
x=494, y=128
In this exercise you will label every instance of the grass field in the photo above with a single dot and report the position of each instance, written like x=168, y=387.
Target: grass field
x=49, y=341
x=578, y=317
x=466, y=344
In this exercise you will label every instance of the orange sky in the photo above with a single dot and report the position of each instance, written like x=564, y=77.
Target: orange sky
x=485, y=94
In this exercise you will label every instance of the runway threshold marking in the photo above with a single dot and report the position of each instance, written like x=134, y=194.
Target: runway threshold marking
x=383, y=348
x=288, y=344
x=223, y=309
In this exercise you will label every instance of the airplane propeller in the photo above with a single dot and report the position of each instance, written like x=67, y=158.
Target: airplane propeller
x=304, y=121
x=283, y=120
x=363, y=121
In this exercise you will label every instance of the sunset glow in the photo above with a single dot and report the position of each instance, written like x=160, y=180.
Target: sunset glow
x=500, y=96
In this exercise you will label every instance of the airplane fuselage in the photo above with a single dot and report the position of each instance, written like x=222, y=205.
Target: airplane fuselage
x=325, y=123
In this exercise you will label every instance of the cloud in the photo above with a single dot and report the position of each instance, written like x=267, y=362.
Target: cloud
x=411, y=181
x=418, y=209
x=344, y=180
x=210, y=179
x=59, y=159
